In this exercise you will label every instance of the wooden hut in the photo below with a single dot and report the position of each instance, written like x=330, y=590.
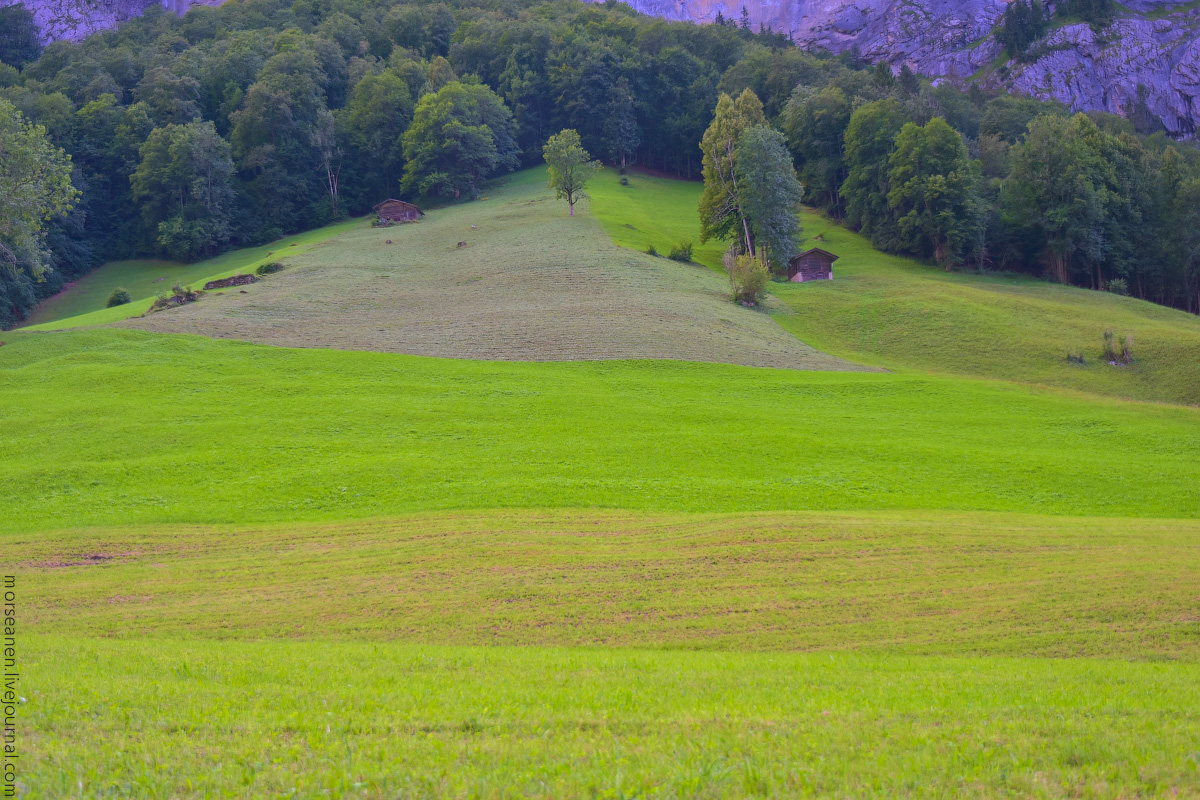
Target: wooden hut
x=397, y=211
x=811, y=265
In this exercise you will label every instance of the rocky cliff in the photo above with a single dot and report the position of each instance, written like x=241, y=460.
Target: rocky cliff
x=75, y=19
x=1149, y=56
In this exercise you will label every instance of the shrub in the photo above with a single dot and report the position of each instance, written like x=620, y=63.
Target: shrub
x=650, y=250
x=624, y=181
x=1075, y=357
x=119, y=297
x=179, y=290
x=268, y=267
x=681, y=252
x=747, y=278
x=1118, y=286
x=1118, y=350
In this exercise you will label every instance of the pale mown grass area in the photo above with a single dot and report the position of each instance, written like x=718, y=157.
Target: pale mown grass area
x=83, y=303
x=530, y=284
x=916, y=583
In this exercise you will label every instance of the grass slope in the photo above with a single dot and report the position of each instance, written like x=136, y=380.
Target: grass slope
x=161, y=718
x=530, y=284
x=124, y=427
x=900, y=314
x=912, y=583
x=83, y=303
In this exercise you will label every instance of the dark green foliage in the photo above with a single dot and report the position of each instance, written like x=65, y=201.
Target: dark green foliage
x=184, y=185
x=268, y=267
x=770, y=194
x=460, y=135
x=815, y=124
x=18, y=36
x=934, y=191
x=119, y=297
x=1097, y=13
x=869, y=141
x=1023, y=23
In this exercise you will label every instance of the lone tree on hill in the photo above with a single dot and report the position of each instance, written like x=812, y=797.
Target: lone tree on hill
x=570, y=166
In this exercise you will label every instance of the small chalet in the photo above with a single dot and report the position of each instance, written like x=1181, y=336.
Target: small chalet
x=811, y=265
x=397, y=211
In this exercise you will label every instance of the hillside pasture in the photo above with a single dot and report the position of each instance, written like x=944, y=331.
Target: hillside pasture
x=916, y=583
x=901, y=314
x=82, y=304
x=112, y=427
x=529, y=283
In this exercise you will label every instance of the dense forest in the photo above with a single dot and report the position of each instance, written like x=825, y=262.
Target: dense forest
x=235, y=125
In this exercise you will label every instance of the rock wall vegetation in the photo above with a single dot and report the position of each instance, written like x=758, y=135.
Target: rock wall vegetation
x=234, y=125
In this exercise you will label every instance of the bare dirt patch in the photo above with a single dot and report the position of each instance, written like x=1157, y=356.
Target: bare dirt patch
x=89, y=560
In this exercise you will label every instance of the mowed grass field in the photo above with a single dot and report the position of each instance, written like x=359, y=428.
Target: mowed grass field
x=257, y=571
x=344, y=660
x=83, y=303
x=508, y=277
x=901, y=314
x=900, y=583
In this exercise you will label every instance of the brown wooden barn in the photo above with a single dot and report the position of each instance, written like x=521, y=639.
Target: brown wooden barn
x=397, y=211
x=811, y=265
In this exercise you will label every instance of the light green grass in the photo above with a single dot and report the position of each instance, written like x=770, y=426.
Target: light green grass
x=528, y=282
x=123, y=427
x=901, y=314
x=136, y=717
x=83, y=303
x=915, y=583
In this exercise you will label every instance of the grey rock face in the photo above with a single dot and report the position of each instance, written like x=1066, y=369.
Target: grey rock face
x=75, y=19
x=1149, y=56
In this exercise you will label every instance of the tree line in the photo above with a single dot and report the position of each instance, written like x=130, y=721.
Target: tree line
x=235, y=125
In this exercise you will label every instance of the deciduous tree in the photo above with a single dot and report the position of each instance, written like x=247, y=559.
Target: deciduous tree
x=770, y=193
x=460, y=135
x=35, y=186
x=721, y=213
x=933, y=191
x=570, y=166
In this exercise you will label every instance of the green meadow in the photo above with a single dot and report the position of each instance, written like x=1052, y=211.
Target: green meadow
x=106, y=427
x=901, y=314
x=83, y=303
x=151, y=717
x=531, y=517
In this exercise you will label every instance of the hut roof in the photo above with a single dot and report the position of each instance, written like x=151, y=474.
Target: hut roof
x=377, y=206
x=816, y=251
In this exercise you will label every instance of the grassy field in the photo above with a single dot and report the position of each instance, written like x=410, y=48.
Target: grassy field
x=83, y=303
x=897, y=583
x=147, y=717
x=530, y=284
x=896, y=313
x=256, y=571
x=121, y=427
